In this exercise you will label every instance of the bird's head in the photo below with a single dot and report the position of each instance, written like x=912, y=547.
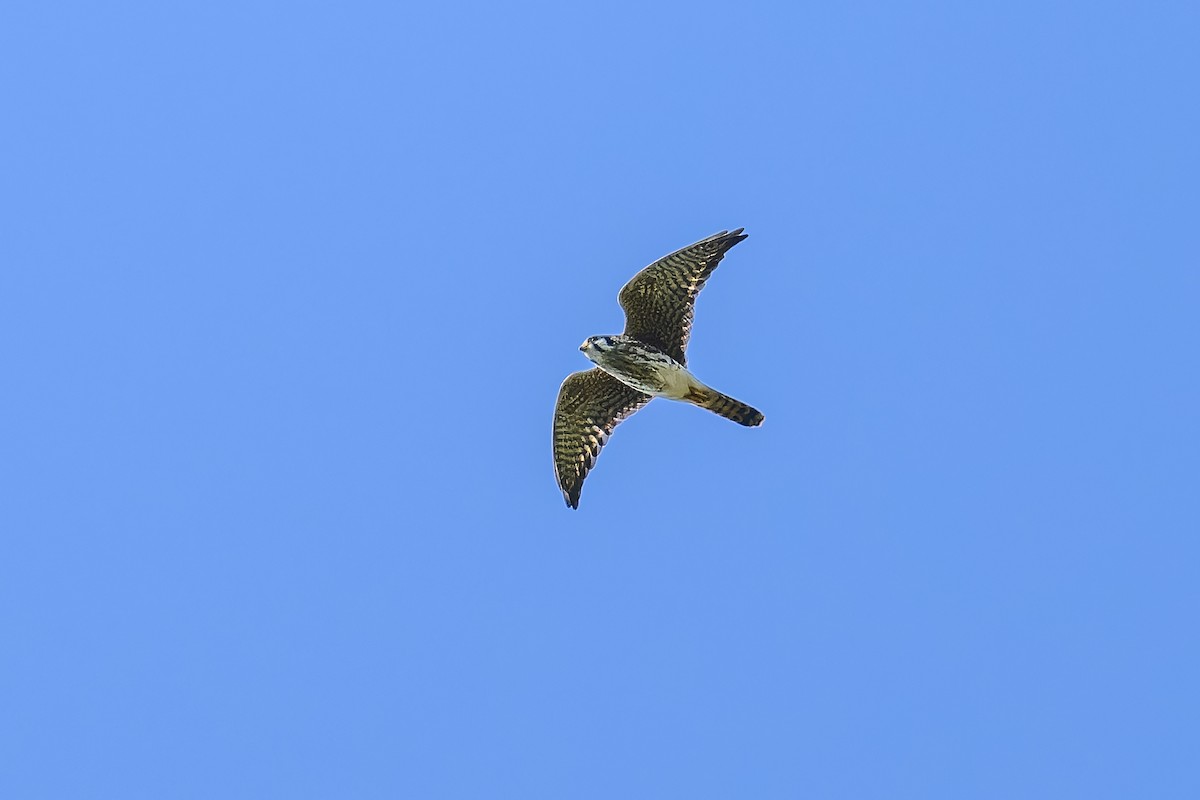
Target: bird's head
x=596, y=344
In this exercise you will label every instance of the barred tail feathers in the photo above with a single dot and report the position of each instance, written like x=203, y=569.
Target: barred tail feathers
x=724, y=405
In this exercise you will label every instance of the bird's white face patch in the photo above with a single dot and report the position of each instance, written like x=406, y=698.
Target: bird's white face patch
x=597, y=344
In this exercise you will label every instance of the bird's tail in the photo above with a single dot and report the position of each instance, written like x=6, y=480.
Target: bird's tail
x=724, y=405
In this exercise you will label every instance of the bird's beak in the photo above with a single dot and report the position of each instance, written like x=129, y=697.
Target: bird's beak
x=584, y=346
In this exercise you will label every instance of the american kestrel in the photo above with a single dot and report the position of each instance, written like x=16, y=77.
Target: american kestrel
x=645, y=361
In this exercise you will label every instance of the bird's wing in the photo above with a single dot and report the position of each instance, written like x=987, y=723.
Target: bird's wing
x=590, y=404
x=658, y=301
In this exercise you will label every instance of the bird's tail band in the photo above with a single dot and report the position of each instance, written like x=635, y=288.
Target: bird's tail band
x=724, y=405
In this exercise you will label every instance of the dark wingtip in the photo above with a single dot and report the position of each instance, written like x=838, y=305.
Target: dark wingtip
x=735, y=235
x=729, y=239
x=572, y=502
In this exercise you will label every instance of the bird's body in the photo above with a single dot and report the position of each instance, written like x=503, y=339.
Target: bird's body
x=647, y=360
x=639, y=365
x=651, y=371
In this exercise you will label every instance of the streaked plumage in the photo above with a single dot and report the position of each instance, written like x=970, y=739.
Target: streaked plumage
x=590, y=404
x=647, y=360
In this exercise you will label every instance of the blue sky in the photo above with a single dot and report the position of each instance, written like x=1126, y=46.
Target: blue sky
x=288, y=290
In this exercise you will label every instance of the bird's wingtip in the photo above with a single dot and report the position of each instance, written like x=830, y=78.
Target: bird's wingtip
x=732, y=237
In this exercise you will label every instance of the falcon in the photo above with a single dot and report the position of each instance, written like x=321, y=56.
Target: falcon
x=646, y=361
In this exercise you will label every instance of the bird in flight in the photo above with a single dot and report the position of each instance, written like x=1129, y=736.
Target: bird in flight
x=645, y=361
